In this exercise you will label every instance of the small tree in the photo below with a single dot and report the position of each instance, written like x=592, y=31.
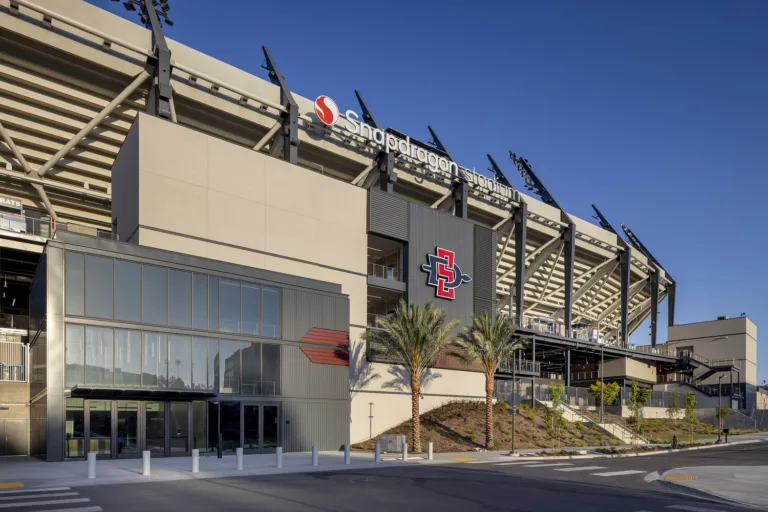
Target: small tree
x=674, y=406
x=722, y=413
x=605, y=393
x=414, y=337
x=489, y=343
x=690, y=414
x=554, y=415
x=638, y=399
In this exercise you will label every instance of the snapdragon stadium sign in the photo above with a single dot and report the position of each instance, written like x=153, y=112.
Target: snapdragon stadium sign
x=328, y=113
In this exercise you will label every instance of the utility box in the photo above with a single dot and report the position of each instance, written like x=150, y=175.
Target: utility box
x=391, y=442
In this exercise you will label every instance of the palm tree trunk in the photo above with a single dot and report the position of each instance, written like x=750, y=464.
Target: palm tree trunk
x=415, y=396
x=488, y=411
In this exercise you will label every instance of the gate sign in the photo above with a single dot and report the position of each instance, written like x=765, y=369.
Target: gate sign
x=444, y=274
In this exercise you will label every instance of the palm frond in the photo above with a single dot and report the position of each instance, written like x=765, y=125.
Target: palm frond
x=490, y=342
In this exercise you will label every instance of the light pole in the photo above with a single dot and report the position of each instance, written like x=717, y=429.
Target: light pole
x=514, y=398
x=602, y=386
x=719, y=406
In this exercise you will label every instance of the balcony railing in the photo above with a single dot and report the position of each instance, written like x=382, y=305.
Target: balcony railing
x=372, y=320
x=520, y=366
x=46, y=228
x=384, y=272
x=20, y=322
x=13, y=362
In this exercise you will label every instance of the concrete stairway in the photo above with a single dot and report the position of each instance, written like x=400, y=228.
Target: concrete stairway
x=617, y=430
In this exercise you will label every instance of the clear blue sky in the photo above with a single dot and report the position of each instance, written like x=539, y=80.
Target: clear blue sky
x=655, y=111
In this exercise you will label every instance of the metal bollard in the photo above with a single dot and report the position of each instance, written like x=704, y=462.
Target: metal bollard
x=239, y=455
x=92, y=465
x=405, y=451
x=377, y=454
x=195, y=461
x=429, y=451
x=279, y=454
x=145, y=455
x=314, y=456
x=346, y=455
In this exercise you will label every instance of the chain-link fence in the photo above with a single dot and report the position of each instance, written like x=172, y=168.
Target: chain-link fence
x=734, y=419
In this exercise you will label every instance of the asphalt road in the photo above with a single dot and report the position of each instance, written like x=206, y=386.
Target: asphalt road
x=574, y=486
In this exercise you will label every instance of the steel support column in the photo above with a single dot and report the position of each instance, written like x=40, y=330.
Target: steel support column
x=671, y=289
x=533, y=379
x=160, y=92
x=569, y=240
x=387, y=176
x=568, y=367
x=460, y=194
x=625, y=262
x=521, y=238
x=288, y=139
x=654, y=305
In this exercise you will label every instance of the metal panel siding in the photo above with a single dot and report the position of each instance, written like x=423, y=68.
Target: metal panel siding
x=300, y=378
x=485, y=270
x=324, y=424
x=303, y=310
x=429, y=229
x=387, y=215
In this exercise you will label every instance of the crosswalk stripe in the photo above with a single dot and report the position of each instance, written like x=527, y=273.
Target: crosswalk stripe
x=582, y=468
x=693, y=509
x=40, y=503
x=19, y=491
x=77, y=509
x=28, y=497
x=530, y=463
x=549, y=465
x=619, y=473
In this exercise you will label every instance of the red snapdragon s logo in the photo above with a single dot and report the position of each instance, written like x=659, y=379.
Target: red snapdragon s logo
x=444, y=274
x=326, y=110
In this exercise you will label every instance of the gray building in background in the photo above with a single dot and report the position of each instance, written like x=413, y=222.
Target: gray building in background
x=134, y=348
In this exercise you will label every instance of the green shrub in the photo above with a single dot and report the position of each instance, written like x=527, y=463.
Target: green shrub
x=579, y=425
x=503, y=403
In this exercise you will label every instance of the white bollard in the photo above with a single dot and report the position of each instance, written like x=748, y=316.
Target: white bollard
x=377, y=454
x=346, y=455
x=92, y=465
x=239, y=455
x=195, y=461
x=429, y=451
x=279, y=454
x=405, y=451
x=315, y=461
x=145, y=455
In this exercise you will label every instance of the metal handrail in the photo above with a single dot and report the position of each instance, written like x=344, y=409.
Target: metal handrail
x=520, y=365
x=392, y=273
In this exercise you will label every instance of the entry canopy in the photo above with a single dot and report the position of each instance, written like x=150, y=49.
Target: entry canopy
x=140, y=393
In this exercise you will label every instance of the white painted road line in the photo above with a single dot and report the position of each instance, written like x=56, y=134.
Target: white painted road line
x=489, y=461
x=549, y=465
x=46, y=489
x=620, y=473
x=40, y=503
x=28, y=497
x=529, y=463
x=78, y=509
x=693, y=509
x=582, y=468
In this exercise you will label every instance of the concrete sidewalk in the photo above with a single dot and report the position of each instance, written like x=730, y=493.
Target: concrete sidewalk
x=745, y=485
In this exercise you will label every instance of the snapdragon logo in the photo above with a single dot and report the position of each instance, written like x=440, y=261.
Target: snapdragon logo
x=326, y=110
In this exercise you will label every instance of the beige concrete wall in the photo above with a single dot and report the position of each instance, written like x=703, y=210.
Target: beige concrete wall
x=630, y=368
x=733, y=338
x=14, y=400
x=761, y=399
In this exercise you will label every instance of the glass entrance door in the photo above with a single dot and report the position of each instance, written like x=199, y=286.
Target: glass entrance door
x=260, y=428
x=154, y=428
x=127, y=445
x=271, y=438
x=179, y=429
x=251, y=425
x=100, y=428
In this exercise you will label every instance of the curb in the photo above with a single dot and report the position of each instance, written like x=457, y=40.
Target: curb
x=710, y=496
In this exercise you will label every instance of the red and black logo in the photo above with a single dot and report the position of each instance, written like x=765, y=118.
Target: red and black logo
x=326, y=110
x=444, y=274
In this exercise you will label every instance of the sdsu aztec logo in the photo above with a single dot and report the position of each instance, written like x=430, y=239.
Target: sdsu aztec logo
x=326, y=110
x=444, y=274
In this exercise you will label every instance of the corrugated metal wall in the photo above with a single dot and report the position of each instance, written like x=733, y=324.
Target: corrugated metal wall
x=303, y=310
x=324, y=424
x=485, y=271
x=300, y=378
x=387, y=215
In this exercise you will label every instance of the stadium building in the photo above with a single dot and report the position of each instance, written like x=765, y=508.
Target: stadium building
x=190, y=254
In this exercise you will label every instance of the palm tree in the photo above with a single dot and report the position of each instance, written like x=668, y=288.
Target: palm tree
x=413, y=337
x=489, y=343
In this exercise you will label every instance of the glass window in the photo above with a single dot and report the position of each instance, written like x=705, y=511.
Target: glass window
x=229, y=305
x=99, y=344
x=127, y=291
x=214, y=381
x=75, y=354
x=75, y=283
x=199, y=363
x=154, y=295
x=213, y=303
x=251, y=308
x=271, y=316
x=99, y=287
x=200, y=301
x=127, y=358
x=251, y=359
x=155, y=369
x=270, y=374
x=75, y=420
x=199, y=436
x=179, y=362
x=179, y=298
x=229, y=360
